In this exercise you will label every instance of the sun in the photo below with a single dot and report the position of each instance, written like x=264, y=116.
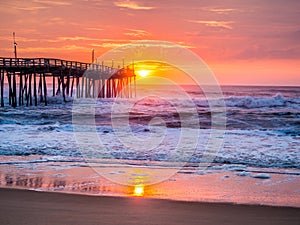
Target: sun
x=143, y=73
x=138, y=190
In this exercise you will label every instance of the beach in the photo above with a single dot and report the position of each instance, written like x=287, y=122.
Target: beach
x=42, y=208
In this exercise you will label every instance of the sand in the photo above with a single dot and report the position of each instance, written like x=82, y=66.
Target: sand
x=40, y=208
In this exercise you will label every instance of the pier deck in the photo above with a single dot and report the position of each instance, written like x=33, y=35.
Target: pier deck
x=27, y=80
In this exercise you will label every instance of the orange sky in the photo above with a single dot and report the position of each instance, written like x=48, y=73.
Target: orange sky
x=243, y=42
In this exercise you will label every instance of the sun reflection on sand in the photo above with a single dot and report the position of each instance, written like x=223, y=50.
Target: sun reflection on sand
x=139, y=187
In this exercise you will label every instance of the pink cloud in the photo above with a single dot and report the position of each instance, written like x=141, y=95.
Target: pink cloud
x=132, y=5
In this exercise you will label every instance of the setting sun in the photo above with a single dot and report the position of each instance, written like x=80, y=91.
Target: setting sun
x=138, y=190
x=143, y=73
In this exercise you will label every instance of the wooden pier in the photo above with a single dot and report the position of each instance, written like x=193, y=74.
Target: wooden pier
x=27, y=80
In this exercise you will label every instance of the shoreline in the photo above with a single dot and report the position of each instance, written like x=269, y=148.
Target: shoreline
x=39, y=208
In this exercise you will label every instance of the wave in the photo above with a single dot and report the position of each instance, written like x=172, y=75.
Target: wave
x=248, y=147
x=244, y=102
x=260, y=102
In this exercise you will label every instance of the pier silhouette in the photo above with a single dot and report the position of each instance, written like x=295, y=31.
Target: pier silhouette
x=27, y=80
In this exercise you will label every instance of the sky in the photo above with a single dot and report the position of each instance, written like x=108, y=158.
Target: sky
x=243, y=42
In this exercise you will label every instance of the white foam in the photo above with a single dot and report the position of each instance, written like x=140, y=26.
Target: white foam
x=256, y=102
x=243, y=174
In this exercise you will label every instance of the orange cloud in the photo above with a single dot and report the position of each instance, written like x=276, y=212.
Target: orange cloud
x=222, y=11
x=19, y=39
x=132, y=5
x=52, y=49
x=136, y=33
x=52, y=2
x=78, y=38
x=212, y=23
x=107, y=45
x=32, y=8
x=37, y=5
x=94, y=28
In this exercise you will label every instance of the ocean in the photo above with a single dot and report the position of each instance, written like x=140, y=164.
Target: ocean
x=162, y=132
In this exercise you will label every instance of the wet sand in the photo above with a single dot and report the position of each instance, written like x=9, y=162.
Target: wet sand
x=42, y=208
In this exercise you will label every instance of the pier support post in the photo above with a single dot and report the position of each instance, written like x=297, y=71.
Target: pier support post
x=30, y=90
x=9, y=88
x=2, y=87
x=14, y=96
x=72, y=85
x=41, y=88
x=62, y=79
x=20, y=89
x=45, y=89
x=53, y=86
x=77, y=87
x=34, y=90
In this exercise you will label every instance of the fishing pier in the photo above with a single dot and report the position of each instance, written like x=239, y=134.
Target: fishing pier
x=27, y=80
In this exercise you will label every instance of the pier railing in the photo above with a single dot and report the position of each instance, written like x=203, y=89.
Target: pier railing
x=18, y=63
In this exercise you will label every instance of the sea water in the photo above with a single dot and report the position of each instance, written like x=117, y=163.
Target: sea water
x=262, y=135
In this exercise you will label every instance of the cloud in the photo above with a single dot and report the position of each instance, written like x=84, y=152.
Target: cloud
x=90, y=41
x=212, y=23
x=18, y=39
x=37, y=5
x=222, y=11
x=136, y=33
x=94, y=28
x=58, y=49
x=108, y=45
x=32, y=8
x=132, y=5
x=78, y=38
x=56, y=3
